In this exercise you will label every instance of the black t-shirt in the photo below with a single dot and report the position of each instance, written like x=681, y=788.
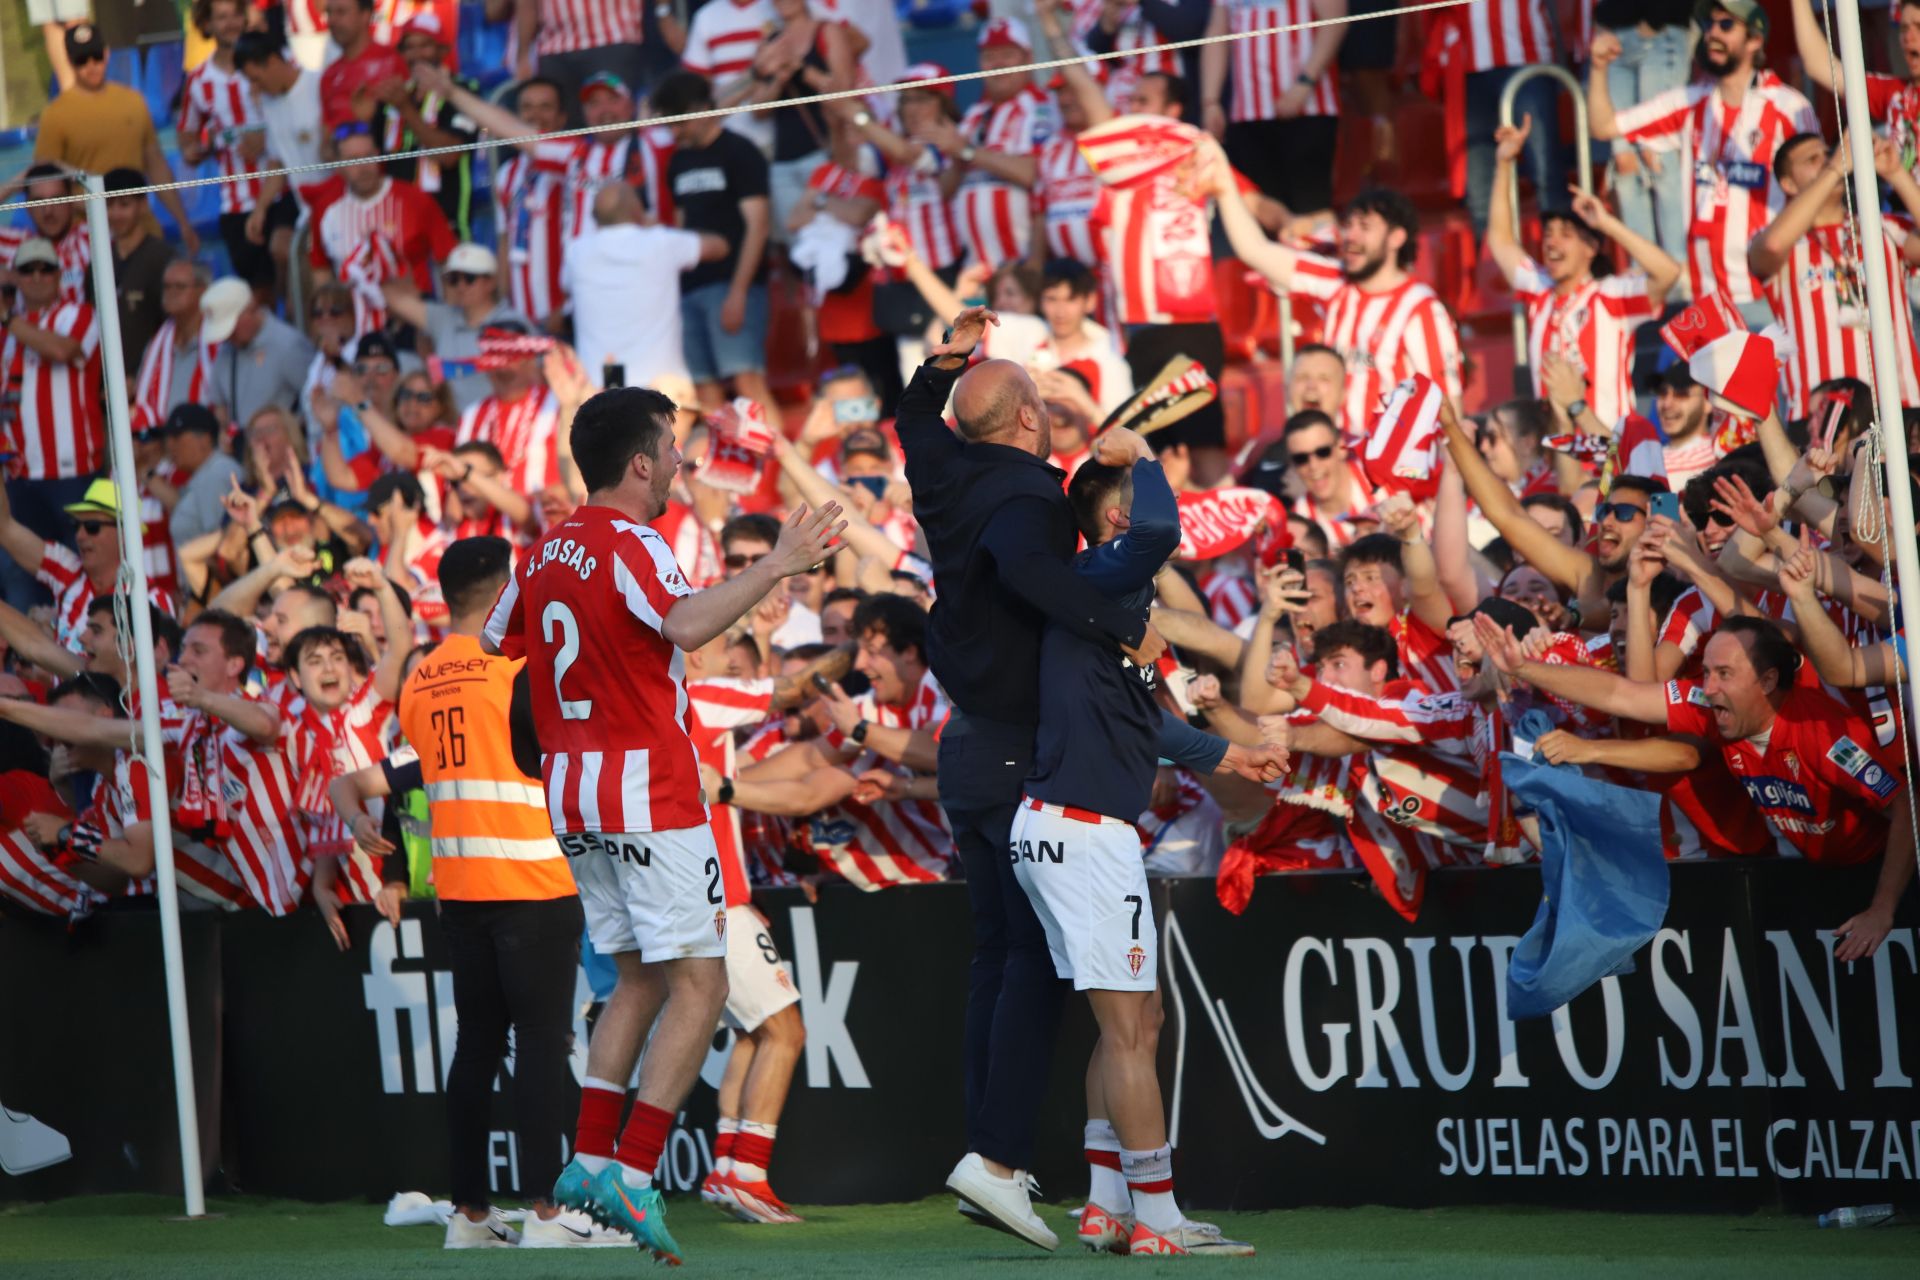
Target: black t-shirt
x=138, y=278
x=454, y=189
x=708, y=185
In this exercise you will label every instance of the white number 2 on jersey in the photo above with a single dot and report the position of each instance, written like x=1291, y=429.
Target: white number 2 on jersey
x=555, y=612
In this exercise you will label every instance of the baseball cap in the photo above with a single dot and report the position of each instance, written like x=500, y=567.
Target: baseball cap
x=927, y=71
x=193, y=417
x=1747, y=11
x=1009, y=33
x=102, y=498
x=605, y=80
x=377, y=345
x=36, y=249
x=472, y=259
x=85, y=41
x=221, y=305
x=425, y=23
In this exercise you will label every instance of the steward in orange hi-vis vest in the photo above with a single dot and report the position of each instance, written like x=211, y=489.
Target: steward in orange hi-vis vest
x=492, y=839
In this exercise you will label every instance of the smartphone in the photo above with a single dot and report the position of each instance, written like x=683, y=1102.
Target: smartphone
x=824, y=685
x=1664, y=504
x=856, y=409
x=613, y=374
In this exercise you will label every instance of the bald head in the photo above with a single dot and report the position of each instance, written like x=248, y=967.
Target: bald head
x=617, y=203
x=996, y=402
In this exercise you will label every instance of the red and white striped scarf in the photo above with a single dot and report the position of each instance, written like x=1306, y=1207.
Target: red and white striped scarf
x=153, y=386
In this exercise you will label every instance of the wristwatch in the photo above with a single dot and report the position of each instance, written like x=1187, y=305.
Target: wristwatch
x=1307, y=80
x=1576, y=408
x=726, y=791
x=859, y=733
x=862, y=118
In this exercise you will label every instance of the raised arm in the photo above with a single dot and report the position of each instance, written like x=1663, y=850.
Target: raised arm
x=1816, y=55
x=816, y=489
x=1131, y=561
x=1601, y=54
x=1662, y=269
x=63, y=724
x=1561, y=563
x=496, y=120
x=1418, y=568
x=1093, y=102
x=1244, y=233
x=1772, y=248
x=805, y=540
x=1451, y=547
x=1588, y=686
x=30, y=643
x=1508, y=141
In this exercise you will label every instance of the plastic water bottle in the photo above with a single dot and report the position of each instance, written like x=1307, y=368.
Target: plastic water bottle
x=1866, y=1215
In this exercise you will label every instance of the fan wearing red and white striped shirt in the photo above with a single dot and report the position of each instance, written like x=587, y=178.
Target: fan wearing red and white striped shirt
x=237, y=789
x=1381, y=321
x=915, y=174
x=722, y=39
x=884, y=842
x=1279, y=119
x=218, y=118
x=71, y=244
x=1064, y=196
x=374, y=207
x=1573, y=315
x=52, y=362
x=522, y=421
x=573, y=26
x=74, y=577
x=1811, y=266
x=1727, y=127
x=1100, y=30
x=994, y=148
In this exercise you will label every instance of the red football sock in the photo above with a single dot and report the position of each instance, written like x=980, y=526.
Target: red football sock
x=723, y=1145
x=644, y=1138
x=599, y=1121
x=752, y=1153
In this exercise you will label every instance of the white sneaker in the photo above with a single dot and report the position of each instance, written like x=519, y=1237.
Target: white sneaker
x=570, y=1229
x=27, y=1144
x=417, y=1209
x=1003, y=1203
x=494, y=1233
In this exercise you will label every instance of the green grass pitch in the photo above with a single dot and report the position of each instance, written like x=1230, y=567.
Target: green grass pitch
x=135, y=1236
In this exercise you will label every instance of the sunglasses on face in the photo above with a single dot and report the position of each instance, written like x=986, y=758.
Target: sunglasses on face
x=416, y=397
x=325, y=313
x=91, y=528
x=1624, y=512
x=1716, y=517
x=459, y=277
x=85, y=58
x=1324, y=452
x=1723, y=25
x=37, y=269
x=737, y=560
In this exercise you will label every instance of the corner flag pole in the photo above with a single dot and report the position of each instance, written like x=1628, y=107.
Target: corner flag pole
x=133, y=563
x=1880, y=304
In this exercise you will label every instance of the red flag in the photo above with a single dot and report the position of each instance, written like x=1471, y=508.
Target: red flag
x=1707, y=320
x=1216, y=521
x=1403, y=450
x=738, y=441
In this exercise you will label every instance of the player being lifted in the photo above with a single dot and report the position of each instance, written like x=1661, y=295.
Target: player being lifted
x=603, y=612
x=1076, y=851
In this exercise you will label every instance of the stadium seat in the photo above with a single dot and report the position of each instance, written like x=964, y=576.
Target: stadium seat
x=1420, y=133
x=932, y=13
x=1253, y=398
x=123, y=66
x=1488, y=377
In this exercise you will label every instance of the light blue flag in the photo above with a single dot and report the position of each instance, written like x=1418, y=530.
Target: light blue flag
x=1603, y=883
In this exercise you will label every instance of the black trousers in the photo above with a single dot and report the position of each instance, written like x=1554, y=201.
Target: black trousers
x=1013, y=995
x=513, y=967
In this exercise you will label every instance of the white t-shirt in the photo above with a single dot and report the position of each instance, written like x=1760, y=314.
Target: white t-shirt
x=625, y=285
x=293, y=127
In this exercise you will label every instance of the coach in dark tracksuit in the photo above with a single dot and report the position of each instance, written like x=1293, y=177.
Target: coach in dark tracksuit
x=999, y=532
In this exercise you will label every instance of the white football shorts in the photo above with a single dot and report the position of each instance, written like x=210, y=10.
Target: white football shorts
x=655, y=892
x=1088, y=884
x=758, y=984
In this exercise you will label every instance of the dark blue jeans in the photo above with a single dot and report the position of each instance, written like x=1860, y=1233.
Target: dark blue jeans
x=1013, y=995
x=40, y=506
x=1544, y=160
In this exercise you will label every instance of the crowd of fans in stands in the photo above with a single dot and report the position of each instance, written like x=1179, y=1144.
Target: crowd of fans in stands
x=386, y=361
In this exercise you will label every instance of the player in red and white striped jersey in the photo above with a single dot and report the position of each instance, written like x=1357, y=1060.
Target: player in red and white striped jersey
x=51, y=357
x=237, y=790
x=993, y=149
x=373, y=207
x=1573, y=314
x=1810, y=264
x=604, y=615
x=1727, y=127
x=1381, y=321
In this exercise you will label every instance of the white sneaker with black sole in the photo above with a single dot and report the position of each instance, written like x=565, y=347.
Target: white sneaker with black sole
x=1003, y=1203
x=570, y=1229
x=493, y=1233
